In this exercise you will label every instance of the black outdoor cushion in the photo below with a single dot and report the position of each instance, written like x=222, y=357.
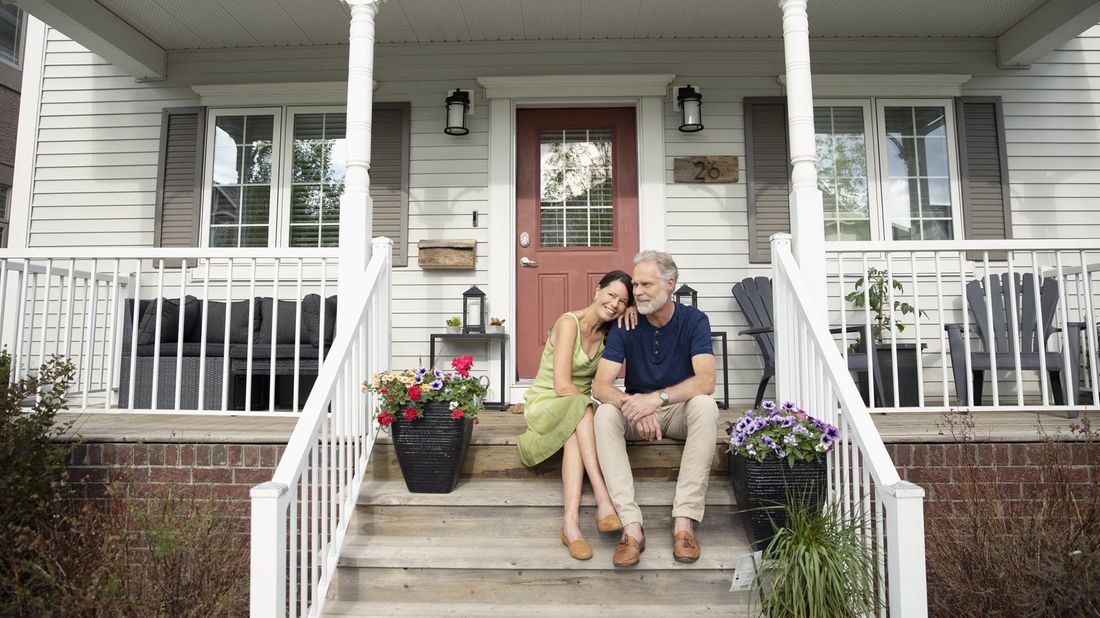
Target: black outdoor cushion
x=215, y=322
x=287, y=321
x=283, y=351
x=169, y=319
x=168, y=349
x=311, y=319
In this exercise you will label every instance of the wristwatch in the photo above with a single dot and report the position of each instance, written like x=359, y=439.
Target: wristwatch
x=664, y=397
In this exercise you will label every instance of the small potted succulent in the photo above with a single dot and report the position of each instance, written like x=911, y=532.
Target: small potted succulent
x=496, y=325
x=454, y=325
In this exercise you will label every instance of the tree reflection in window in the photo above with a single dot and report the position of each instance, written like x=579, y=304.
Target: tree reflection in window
x=241, y=194
x=918, y=182
x=317, y=179
x=575, y=201
x=842, y=172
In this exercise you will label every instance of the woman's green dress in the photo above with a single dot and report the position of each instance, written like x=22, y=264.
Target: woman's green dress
x=551, y=418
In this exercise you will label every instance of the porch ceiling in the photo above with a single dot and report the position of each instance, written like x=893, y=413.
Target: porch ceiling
x=210, y=24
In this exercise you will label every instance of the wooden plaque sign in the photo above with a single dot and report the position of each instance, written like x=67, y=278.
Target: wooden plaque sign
x=708, y=169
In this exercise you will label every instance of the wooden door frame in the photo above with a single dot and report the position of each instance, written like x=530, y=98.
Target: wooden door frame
x=647, y=94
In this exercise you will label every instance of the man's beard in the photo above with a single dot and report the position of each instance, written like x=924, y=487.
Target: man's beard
x=654, y=304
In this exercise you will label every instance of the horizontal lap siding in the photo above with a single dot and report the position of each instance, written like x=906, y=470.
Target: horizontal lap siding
x=88, y=172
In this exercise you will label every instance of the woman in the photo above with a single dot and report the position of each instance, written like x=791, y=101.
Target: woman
x=559, y=406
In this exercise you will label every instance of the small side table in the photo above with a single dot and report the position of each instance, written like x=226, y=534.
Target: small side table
x=501, y=338
x=721, y=334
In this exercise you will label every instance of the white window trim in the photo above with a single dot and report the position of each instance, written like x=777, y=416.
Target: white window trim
x=208, y=166
x=875, y=126
x=286, y=160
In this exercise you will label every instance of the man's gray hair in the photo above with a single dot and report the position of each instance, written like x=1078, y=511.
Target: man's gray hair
x=664, y=262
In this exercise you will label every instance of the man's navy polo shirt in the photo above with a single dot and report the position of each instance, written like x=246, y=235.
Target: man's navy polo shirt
x=657, y=358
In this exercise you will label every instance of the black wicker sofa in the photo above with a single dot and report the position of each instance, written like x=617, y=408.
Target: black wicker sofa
x=258, y=313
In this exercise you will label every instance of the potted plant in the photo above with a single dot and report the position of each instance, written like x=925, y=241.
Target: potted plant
x=874, y=292
x=430, y=414
x=454, y=325
x=496, y=325
x=776, y=453
x=819, y=564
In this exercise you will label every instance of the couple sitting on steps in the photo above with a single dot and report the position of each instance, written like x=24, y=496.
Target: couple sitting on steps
x=669, y=383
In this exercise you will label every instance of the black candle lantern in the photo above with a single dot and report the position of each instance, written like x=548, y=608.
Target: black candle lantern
x=473, y=311
x=686, y=295
x=690, y=102
x=457, y=106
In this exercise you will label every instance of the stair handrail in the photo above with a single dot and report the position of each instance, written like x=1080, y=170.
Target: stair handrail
x=299, y=518
x=862, y=477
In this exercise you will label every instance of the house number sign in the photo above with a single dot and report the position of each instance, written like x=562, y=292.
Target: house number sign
x=706, y=169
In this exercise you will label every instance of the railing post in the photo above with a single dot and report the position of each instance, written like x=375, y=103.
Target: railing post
x=267, y=584
x=905, y=556
x=783, y=322
x=807, y=215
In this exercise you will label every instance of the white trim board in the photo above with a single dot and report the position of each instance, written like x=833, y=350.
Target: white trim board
x=574, y=86
x=885, y=85
x=26, y=143
x=289, y=93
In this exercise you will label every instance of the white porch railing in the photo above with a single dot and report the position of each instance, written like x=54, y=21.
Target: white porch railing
x=300, y=517
x=80, y=304
x=933, y=280
x=811, y=371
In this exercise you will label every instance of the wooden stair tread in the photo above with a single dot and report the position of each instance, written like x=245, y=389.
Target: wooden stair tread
x=487, y=610
x=532, y=492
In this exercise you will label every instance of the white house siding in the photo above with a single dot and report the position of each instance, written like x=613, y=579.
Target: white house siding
x=99, y=130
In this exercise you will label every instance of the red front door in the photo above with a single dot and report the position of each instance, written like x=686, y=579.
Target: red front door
x=577, y=219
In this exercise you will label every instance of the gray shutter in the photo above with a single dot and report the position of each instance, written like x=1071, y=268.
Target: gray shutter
x=179, y=178
x=983, y=167
x=389, y=176
x=768, y=173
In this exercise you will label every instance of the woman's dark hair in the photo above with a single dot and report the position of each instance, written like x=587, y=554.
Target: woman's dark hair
x=623, y=278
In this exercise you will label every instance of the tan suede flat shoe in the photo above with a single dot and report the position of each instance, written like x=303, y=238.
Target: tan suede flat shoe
x=611, y=523
x=579, y=549
x=628, y=552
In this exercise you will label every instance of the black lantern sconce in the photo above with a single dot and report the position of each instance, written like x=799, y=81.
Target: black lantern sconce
x=473, y=311
x=690, y=102
x=458, y=104
x=686, y=295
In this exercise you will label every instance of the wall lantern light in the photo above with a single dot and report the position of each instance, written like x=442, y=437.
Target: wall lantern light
x=686, y=295
x=473, y=310
x=690, y=102
x=458, y=104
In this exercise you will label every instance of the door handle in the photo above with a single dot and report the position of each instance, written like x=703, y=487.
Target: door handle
x=527, y=262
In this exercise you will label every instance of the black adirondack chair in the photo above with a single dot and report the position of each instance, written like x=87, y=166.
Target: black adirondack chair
x=754, y=296
x=998, y=337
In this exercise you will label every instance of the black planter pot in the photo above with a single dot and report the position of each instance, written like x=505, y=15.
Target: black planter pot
x=762, y=487
x=431, y=449
x=907, y=376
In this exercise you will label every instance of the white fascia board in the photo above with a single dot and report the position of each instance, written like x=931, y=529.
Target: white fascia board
x=1044, y=30
x=103, y=33
x=885, y=85
x=557, y=86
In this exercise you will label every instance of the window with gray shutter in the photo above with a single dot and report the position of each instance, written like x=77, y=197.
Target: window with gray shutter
x=179, y=179
x=5, y=191
x=983, y=167
x=768, y=173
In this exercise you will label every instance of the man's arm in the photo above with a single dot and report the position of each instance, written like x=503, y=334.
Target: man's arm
x=603, y=385
x=702, y=383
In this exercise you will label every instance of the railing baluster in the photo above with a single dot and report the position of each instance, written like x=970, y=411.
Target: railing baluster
x=298, y=340
x=1068, y=372
x=968, y=375
x=1090, y=329
x=89, y=333
x=179, y=337
x=46, y=314
x=1040, y=330
x=134, y=323
x=942, y=331
x=112, y=323
x=204, y=327
x=155, y=397
x=917, y=329
x=17, y=359
x=271, y=372
x=1014, y=326
x=251, y=337
x=226, y=361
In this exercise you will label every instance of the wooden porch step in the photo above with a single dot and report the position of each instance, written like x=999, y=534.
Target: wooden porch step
x=479, y=492
x=474, y=610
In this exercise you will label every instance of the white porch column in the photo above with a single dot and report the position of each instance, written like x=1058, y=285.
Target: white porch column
x=356, y=208
x=807, y=217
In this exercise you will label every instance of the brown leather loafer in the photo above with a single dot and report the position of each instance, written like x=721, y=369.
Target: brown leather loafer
x=611, y=523
x=685, y=547
x=628, y=552
x=579, y=549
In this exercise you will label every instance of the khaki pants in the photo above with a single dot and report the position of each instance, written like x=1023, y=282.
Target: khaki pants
x=695, y=421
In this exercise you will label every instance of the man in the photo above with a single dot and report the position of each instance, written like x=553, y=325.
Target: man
x=669, y=383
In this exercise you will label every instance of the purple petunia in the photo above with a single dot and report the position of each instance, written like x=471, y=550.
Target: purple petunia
x=438, y=373
x=787, y=422
x=788, y=405
x=436, y=385
x=832, y=433
x=768, y=405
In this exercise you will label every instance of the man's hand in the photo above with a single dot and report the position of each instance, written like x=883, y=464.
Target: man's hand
x=639, y=406
x=649, y=427
x=629, y=319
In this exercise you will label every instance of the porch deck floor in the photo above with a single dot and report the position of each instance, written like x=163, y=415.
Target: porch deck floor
x=503, y=427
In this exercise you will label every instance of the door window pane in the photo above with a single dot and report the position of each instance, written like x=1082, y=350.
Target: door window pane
x=317, y=164
x=918, y=182
x=842, y=172
x=240, y=198
x=11, y=26
x=575, y=203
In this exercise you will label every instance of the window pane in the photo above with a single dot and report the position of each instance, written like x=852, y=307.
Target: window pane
x=241, y=173
x=317, y=178
x=918, y=183
x=11, y=25
x=575, y=207
x=842, y=172
x=3, y=202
